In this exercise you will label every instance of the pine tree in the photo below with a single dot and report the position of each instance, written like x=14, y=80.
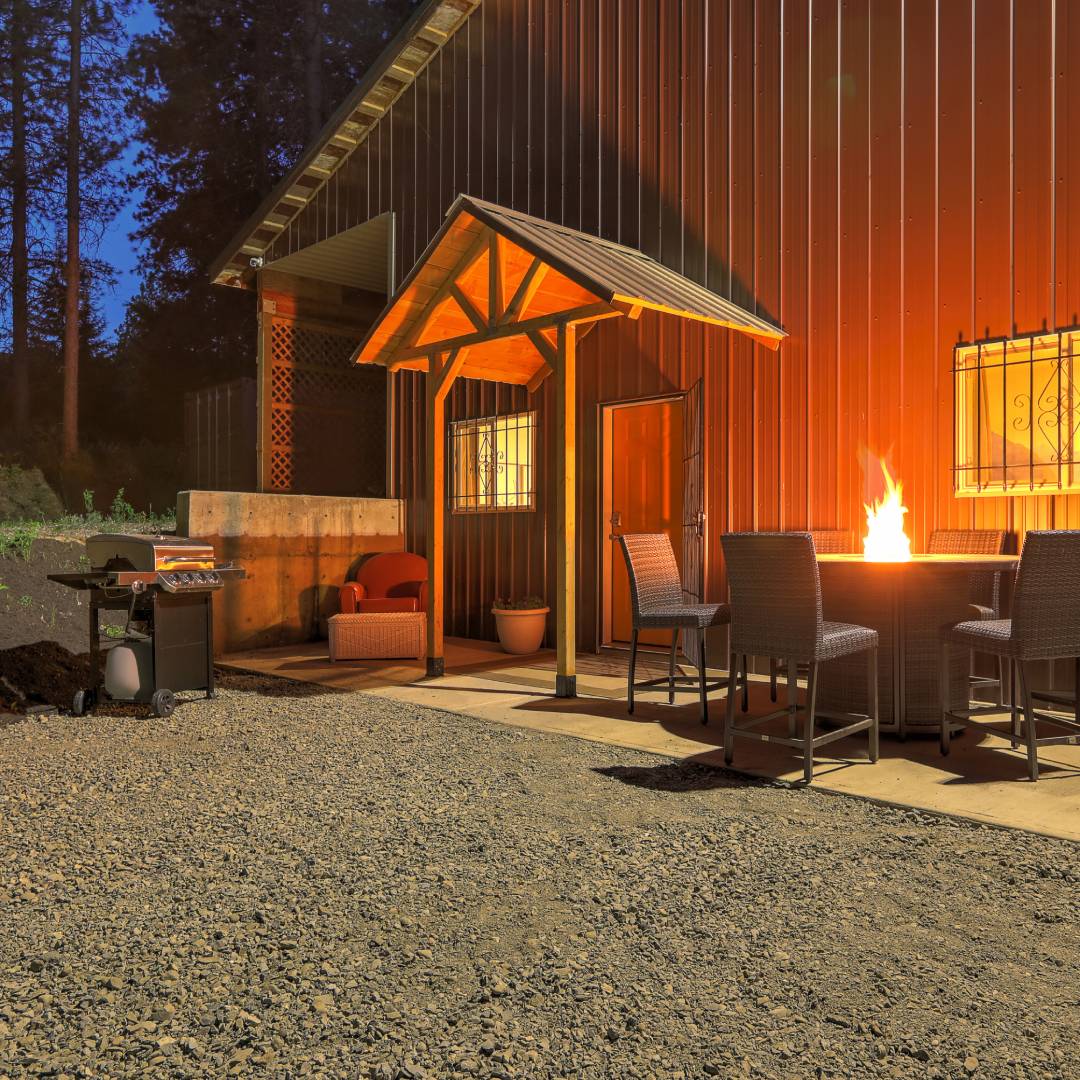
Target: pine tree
x=229, y=93
x=58, y=183
x=71, y=270
x=27, y=34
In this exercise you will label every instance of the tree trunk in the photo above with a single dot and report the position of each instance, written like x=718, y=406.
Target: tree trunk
x=313, y=66
x=20, y=270
x=71, y=299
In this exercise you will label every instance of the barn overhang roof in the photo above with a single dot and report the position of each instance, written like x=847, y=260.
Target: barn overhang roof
x=408, y=53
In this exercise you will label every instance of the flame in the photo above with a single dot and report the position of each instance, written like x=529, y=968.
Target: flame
x=885, y=539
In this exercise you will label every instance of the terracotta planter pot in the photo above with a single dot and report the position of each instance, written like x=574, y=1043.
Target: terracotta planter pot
x=521, y=631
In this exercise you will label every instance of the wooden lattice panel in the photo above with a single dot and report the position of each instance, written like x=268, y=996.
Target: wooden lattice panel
x=327, y=423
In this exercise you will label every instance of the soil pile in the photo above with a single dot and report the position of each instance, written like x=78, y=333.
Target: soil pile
x=44, y=673
x=33, y=608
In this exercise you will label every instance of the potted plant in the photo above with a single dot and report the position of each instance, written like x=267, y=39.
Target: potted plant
x=521, y=623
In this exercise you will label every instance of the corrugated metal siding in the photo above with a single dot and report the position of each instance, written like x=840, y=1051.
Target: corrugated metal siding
x=883, y=177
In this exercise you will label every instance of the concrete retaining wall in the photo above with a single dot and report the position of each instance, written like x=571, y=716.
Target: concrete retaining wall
x=296, y=549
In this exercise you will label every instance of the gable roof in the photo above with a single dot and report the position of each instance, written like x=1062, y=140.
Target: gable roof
x=409, y=52
x=618, y=273
x=494, y=282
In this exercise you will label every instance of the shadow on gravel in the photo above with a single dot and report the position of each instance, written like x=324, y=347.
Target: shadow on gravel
x=678, y=776
x=272, y=686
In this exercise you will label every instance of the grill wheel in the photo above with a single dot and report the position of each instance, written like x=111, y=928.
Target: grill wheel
x=163, y=703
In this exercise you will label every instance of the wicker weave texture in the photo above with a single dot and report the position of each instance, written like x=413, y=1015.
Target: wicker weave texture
x=907, y=605
x=656, y=594
x=383, y=636
x=985, y=587
x=1046, y=603
x=966, y=542
x=775, y=594
x=832, y=541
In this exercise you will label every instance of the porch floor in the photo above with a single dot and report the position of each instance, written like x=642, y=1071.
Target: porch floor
x=983, y=779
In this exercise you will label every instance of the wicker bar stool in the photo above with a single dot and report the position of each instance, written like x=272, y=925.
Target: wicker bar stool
x=657, y=604
x=826, y=542
x=985, y=587
x=776, y=612
x=1045, y=625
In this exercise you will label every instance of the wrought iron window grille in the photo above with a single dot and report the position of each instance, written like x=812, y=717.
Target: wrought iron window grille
x=492, y=463
x=1016, y=408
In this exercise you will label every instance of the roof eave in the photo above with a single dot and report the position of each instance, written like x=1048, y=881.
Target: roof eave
x=331, y=130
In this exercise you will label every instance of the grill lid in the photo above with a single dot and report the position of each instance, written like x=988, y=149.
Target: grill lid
x=148, y=553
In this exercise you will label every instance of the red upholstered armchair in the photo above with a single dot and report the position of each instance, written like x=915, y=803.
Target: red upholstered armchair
x=394, y=581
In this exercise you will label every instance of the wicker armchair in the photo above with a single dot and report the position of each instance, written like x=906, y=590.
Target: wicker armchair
x=657, y=604
x=1045, y=625
x=985, y=587
x=776, y=612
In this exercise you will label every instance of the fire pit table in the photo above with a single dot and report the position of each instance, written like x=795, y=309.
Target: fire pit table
x=907, y=603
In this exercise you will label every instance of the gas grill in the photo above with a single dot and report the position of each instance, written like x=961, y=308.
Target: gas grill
x=166, y=584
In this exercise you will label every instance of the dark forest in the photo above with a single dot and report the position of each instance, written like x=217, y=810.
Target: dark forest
x=193, y=121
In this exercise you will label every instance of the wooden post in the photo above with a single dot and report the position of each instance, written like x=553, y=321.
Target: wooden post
x=442, y=370
x=436, y=492
x=566, y=510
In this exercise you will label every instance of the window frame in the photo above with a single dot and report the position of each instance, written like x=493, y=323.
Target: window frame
x=1029, y=386
x=522, y=497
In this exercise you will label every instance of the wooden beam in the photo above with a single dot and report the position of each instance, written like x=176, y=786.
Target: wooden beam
x=526, y=291
x=448, y=372
x=584, y=313
x=537, y=380
x=468, y=257
x=495, y=281
x=543, y=347
x=468, y=307
x=415, y=364
x=565, y=511
x=442, y=371
x=435, y=451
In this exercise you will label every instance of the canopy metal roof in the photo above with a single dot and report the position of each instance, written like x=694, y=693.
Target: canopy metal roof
x=496, y=282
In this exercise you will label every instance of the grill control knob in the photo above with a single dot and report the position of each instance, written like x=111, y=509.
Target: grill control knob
x=185, y=578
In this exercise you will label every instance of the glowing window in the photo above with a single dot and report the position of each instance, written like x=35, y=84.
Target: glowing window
x=492, y=463
x=1017, y=415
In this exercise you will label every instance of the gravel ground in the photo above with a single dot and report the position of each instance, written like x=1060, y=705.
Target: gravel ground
x=289, y=882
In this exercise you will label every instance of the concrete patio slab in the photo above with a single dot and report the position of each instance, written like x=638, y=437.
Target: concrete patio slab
x=983, y=779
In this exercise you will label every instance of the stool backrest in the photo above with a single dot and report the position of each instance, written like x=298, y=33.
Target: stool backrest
x=986, y=586
x=653, y=571
x=1046, y=602
x=775, y=594
x=832, y=541
x=966, y=542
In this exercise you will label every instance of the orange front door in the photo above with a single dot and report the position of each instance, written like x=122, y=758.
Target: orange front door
x=645, y=486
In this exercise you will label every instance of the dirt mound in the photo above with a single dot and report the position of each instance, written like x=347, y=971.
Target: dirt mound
x=44, y=673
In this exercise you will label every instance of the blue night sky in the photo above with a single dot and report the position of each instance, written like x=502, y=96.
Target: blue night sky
x=116, y=248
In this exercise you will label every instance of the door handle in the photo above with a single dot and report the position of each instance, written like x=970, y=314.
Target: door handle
x=616, y=524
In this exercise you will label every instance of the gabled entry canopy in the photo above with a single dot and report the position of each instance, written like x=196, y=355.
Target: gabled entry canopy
x=500, y=295
x=494, y=283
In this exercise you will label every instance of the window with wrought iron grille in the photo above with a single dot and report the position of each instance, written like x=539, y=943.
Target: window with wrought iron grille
x=492, y=463
x=1017, y=409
